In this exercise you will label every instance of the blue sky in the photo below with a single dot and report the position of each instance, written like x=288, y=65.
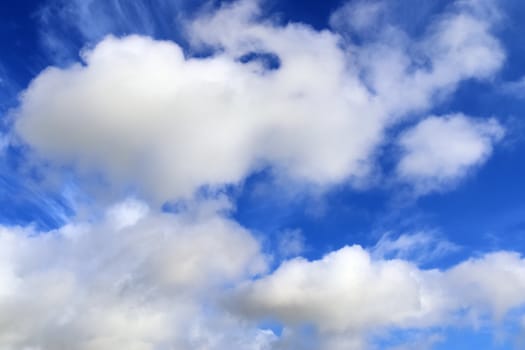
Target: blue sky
x=262, y=174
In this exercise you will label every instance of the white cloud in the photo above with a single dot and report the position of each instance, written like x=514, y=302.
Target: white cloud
x=441, y=150
x=150, y=283
x=408, y=75
x=348, y=296
x=185, y=281
x=142, y=114
x=127, y=213
x=343, y=292
x=494, y=282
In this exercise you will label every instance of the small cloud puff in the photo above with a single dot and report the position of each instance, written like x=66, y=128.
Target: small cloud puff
x=440, y=151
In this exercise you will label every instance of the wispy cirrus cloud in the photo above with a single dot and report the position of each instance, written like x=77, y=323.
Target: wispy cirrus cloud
x=418, y=247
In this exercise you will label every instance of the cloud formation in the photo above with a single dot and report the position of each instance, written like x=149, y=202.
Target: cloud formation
x=347, y=295
x=441, y=150
x=312, y=107
x=170, y=124
x=137, y=279
x=134, y=280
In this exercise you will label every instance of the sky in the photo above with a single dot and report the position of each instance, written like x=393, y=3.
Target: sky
x=262, y=175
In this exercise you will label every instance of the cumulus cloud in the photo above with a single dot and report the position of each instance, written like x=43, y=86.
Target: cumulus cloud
x=134, y=280
x=144, y=114
x=172, y=125
x=441, y=150
x=347, y=295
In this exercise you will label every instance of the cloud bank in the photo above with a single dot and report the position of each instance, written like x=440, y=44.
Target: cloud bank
x=137, y=279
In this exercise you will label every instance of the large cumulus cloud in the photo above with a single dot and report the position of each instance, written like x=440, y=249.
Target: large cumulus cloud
x=197, y=280
x=135, y=280
x=348, y=295
x=142, y=113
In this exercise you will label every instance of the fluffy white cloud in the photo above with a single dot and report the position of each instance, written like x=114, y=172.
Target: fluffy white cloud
x=140, y=280
x=135, y=280
x=344, y=291
x=347, y=295
x=441, y=150
x=145, y=115
x=142, y=114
